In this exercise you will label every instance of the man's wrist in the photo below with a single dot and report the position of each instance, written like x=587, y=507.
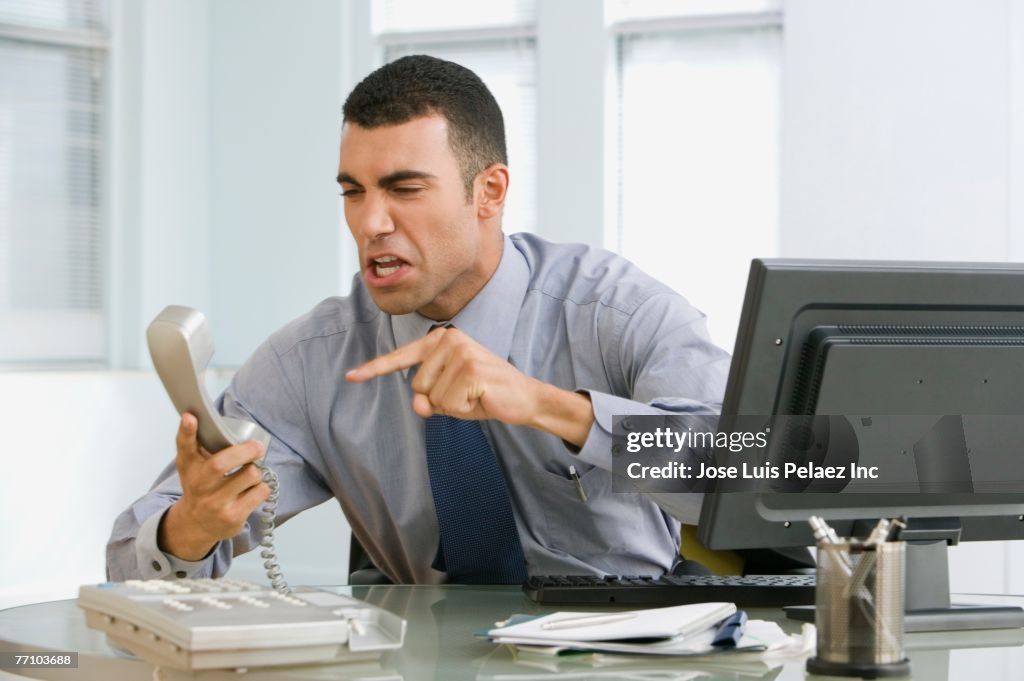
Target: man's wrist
x=177, y=536
x=566, y=414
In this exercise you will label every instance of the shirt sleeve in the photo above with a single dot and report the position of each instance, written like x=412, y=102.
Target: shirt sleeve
x=260, y=392
x=666, y=364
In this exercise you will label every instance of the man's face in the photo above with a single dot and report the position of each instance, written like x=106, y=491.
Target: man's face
x=418, y=238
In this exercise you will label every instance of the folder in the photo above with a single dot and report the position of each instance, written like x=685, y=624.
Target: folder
x=682, y=629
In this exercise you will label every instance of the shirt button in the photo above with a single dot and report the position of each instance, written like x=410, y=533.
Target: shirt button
x=180, y=574
x=616, y=449
x=627, y=424
x=156, y=565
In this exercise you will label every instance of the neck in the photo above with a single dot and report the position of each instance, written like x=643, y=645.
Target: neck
x=450, y=302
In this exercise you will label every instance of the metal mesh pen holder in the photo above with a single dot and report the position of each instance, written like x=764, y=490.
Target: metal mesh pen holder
x=859, y=610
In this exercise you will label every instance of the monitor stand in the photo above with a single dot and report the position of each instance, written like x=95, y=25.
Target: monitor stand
x=927, y=597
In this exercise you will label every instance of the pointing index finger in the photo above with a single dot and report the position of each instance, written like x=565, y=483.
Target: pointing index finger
x=408, y=355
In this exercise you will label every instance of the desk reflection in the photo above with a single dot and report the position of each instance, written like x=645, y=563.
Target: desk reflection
x=441, y=644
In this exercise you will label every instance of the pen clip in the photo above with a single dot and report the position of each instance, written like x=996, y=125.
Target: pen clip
x=730, y=631
x=579, y=484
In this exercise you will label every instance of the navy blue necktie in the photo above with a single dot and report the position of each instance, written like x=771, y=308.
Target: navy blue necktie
x=479, y=540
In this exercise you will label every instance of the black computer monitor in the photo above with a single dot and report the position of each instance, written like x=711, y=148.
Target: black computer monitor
x=884, y=338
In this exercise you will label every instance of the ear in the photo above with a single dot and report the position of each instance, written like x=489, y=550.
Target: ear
x=491, y=188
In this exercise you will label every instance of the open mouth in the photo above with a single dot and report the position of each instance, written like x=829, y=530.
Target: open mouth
x=385, y=270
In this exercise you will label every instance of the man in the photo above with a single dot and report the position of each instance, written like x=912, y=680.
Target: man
x=539, y=345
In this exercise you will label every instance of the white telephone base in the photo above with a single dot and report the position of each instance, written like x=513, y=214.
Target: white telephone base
x=193, y=624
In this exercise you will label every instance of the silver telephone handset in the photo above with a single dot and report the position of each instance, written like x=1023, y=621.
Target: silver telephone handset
x=181, y=347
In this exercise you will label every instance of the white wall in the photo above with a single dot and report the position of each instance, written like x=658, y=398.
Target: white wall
x=896, y=130
x=78, y=449
x=225, y=147
x=160, y=172
x=573, y=130
x=277, y=235
x=902, y=139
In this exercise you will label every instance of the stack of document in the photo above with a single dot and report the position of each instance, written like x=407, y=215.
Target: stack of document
x=686, y=630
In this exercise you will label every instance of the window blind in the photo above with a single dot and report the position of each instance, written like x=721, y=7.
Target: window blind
x=624, y=10
x=51, y=147
x=699, y=150
x=416, y=15
x=81, y=15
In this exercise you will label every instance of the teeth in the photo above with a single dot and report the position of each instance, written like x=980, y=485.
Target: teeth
x=381, y=265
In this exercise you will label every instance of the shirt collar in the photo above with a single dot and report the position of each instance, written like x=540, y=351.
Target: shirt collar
x=490, y=317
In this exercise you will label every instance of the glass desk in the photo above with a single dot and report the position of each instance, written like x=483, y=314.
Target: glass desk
x=440, y=645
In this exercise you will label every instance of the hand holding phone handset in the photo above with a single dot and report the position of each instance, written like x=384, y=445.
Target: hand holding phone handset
x=181, y=347
x=193, y=624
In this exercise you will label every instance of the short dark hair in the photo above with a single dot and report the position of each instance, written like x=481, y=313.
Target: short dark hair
x=420, y=85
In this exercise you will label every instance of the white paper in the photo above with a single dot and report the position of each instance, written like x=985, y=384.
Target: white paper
x=676, y=622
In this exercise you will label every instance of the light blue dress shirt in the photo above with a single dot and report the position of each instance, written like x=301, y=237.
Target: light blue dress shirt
x=570, y=315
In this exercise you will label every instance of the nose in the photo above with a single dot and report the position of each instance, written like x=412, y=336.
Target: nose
x=373, y=218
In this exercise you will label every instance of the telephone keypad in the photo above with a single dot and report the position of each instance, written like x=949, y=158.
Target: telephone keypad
x=204, y=623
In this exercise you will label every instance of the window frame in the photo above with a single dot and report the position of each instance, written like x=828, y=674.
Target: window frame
x=666, y=26
x=722, y=315
x=100, y=41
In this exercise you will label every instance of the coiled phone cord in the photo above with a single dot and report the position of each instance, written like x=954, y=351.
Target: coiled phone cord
x=277, y=580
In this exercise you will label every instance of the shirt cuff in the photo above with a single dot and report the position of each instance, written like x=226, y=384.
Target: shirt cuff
x=598, y=449
x=154, y=563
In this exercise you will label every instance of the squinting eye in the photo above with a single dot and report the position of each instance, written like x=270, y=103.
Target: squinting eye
x=407, y=190
x=351, y=192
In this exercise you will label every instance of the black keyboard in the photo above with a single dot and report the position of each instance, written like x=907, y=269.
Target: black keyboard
x=749, y=591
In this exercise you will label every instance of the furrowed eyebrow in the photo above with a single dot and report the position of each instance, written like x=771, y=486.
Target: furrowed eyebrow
x=402, y=175
x=388, y=180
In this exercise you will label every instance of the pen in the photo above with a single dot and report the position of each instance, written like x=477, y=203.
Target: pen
x=883, y=530
x=588, y=620
x=896, y=528
x=579, y=485
x=730, y=631
x=879, y=534
x=822, y=532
